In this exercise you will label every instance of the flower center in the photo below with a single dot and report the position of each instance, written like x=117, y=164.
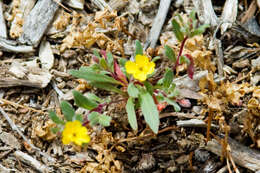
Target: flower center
x=74, y=134
x=141, y=68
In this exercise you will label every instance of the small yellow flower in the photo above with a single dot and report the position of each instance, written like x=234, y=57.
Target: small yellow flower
x=75, y=132
x=140, y=68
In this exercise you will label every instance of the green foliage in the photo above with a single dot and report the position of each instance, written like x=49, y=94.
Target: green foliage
x=97, y=118
x=93, y=77
x=188, y=29
x=110, y=61
x=67, y=110
x=170, y=53
x=148, y=86
x=176, y=107
x=149, y=109
x=132, y=90
x=55, y=118
x=108, y=87
x=78, y=117
x=177, y=30
x=130, y=109
x=167, y=79
x=84, y=102
x=138, y=48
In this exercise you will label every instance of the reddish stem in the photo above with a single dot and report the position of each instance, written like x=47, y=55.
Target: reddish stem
x=180, y=52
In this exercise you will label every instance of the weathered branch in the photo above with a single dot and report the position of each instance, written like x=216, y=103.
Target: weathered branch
x=38, y=21
x=158, y=24
x=3, y=32
x=12, y=46
x=242, y=155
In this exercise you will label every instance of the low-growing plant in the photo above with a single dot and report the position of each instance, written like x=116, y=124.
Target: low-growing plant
x=129, y=79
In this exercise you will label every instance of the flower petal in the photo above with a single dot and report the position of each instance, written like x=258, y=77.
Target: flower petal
x=75, y=132
x=141, y=60
x=141, y=76
x=131, y=67
x=150, y=68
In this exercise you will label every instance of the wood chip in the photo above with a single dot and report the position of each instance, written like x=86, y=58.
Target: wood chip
x=45, y=55
x=102, y=5
x=3, y=32
x=10, y=140
x=31, y=161
x=206, y=12
x=77, y=4
x=229, y=14
x=37, y=21
x=118, y=5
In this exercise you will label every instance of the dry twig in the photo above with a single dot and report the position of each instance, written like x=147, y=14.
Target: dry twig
x=15, y=128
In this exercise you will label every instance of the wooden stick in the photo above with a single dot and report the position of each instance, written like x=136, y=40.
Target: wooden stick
x=3, y=32
x=29, y=160
x=158, y=24
x=12, y=46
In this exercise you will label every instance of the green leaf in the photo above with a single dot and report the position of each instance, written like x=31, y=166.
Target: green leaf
x=170, y=53
x=79, y=117
x=150, y=111
x=83, y=101
x=55, y=118
x=200, y=30
x=167, y=79
x=180, y=18
x=177, y=108
x=122, y=62
x=93, y=118
x=97, y=54
x=55, y=130
x=156, y=58
x=173, y=92
x=138, y=48
x=93, y=77
x=104, y=120
x=97, y=118
x=193, y=15
x=184, y=59
x=130, y=109
x=93, y=97
x=132, y=90
x=148, y=86
x=103, y=63
x=108, y=87
x=110, y=61
x=177, y=30
x=67, y=110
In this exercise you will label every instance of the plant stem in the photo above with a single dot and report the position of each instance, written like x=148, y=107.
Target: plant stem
x=180, y=52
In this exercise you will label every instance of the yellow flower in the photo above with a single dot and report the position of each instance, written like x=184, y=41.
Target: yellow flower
x=140, y=68
x=75, y=132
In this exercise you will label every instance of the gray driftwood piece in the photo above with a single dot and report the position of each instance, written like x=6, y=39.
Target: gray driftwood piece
x=29, y=160
x=206, y=12
x=3, y=32
x=13, y=46
x=158, y=24
x=242, y=155
x=11, y=82
x=38, y=21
